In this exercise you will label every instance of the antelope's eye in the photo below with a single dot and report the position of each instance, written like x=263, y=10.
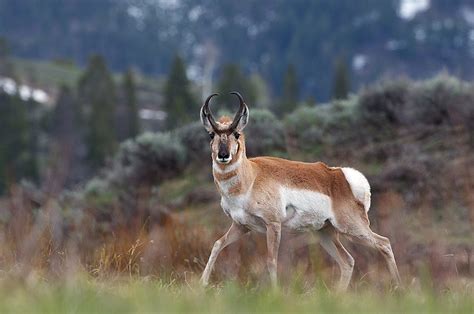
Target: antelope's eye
x=236, y=135
x=211, y=135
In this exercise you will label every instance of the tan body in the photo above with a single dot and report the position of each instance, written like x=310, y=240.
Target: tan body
x=266, y=194
x=259, y=186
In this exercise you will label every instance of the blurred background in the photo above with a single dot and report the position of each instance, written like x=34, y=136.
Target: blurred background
x=105, y=168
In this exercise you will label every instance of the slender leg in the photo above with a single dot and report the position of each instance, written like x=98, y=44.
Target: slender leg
x=382, y=244
x=330, y=242
x=233, y=234
x=273, y=244
x=385, y=248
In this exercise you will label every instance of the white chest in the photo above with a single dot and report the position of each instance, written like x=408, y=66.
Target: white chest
x=237, y=208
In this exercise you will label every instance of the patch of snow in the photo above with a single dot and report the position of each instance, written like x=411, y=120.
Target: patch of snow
x=193, y=72
x=420, y=34
x=394, y=45
x=150, y=114
x=168, y=4
x=468, y=15
x=471, y=35
x=40, y=96
x=25, y=92
x=408, y=9
x=470, y=38
x=359, y=62
x=366, y=19
x=8, y=85
x=195, y=13
x=252, y=30
x=135, y=12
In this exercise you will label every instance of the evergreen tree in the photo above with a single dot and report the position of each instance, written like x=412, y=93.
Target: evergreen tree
x=63, y=122
x=17, y=154
x=6, y=65
x=341, y=83
x=179, y=102
x=66, y=132
x=232, y=79
x=290, y=94
x=97, y=98
x=128, y=120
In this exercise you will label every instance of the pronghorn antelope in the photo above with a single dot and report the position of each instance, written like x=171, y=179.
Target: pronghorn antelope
x=266, y=194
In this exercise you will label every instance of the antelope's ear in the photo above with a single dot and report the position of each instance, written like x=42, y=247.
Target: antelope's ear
x=205, y=116
x=243, y=120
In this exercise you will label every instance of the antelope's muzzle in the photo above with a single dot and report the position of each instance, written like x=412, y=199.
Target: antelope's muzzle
x=223, y=154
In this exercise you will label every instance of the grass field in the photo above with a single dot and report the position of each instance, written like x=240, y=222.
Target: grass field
x=139, y=296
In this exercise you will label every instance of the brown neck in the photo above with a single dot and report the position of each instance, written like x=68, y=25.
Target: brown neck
x=236, y=177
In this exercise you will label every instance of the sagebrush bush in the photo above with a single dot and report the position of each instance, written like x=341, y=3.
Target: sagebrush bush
x=440, y=101
x=310, y=128
x=195, y=140
x=384, y=106
x=264, y=134
x=304, y=127
x=99, y=192
x=150, y=159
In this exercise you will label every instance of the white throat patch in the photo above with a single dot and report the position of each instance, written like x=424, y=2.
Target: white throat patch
x=234, y=166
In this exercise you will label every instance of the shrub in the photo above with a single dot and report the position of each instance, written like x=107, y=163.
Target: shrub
x=312, y=127
x=195, y=141
x=149, y=159
x=304, y=127
x=265, y=134
x=442, y=100
x=383, y=106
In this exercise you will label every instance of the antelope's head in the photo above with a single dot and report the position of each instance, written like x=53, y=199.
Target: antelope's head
x=227, y=140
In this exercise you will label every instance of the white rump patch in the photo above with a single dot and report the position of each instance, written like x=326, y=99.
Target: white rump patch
x=359, y=185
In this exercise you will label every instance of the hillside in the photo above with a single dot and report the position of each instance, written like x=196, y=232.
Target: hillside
x=376, y=38
x=49, y=76
x=154, y=211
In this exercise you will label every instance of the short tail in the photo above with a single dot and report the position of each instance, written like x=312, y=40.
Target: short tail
x=359, y=185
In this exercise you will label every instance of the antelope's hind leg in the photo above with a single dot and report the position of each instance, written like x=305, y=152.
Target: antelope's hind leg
x=367, y=237
x=234, y=233
x=333, y=246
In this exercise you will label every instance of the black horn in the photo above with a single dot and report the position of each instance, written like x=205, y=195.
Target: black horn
x=239, y=113
x=207, y=111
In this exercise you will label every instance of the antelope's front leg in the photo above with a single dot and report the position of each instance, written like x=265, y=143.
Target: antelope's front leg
x=233, y=234
x=273, y=244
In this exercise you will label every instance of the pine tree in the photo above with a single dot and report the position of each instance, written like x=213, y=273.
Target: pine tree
x=97, y=98
x=6, y=65
x=17, y=154
x=128, y=120
x=179, y=101
x=341, y=83
x=232, y=79
x=67, y=144
x=64, y=115
x=290, y=94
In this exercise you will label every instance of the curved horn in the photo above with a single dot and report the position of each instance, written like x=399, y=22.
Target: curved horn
x=239, y=113
x=207, y=111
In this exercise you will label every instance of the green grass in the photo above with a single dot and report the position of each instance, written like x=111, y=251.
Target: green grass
x=139, y=296
x=52, y=74
x=46, y=73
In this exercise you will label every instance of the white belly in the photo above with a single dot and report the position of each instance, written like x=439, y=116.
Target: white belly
x=304, y=209
x=299, y=210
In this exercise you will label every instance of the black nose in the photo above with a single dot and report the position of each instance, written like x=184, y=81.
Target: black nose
x=223, y=155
